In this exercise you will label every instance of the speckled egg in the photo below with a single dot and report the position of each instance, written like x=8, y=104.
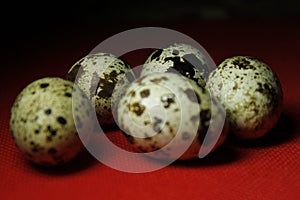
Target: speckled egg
x=42, y=123
x=102, y=77
x=182, y=58
x=163, y=108
x=251, y=93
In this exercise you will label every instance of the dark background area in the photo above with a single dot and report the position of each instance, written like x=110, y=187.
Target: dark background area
x=51, y=14
x=30, y=27
x=33, y=18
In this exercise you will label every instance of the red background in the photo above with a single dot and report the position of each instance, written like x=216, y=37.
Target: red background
x=267, y=168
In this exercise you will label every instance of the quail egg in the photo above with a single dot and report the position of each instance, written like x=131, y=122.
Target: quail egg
x=102, y=77
x=166, y=113
x=251, y=93
x=42, y=123
x=182, y=58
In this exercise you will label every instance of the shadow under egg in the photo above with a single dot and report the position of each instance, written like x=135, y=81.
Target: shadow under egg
x=284, y=131
x=81, y=162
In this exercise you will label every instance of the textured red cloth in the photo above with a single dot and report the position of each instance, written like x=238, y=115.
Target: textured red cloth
x=267, y=168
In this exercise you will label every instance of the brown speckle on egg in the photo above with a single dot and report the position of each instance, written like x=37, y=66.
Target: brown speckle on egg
x=145, y=93
x=137, y=108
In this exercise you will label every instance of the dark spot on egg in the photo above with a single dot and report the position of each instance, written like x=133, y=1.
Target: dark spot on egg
x=67, y=94
x=156, y=54
x=137, y=108
x=23, y=120
x=44, y=85
x=184, y=68
x=61, y=120
x=107, y=84
x=145, y=93
x=176, y=109
x=94, y=84
x=175, y=52
x=192, y=96
x=243, y=63
x=235, y=86
x=220, y=85
x=156, y=124
x=132, y=93
x=205, y=116
x=158, y=80
x=197, y=64
x=78, y=122
x=167, y=100
x=52, y=131
x=213, y=73
x=48, y=111
x=259, y=88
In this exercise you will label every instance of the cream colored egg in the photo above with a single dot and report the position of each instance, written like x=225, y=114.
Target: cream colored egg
x=44, y=121
x=179, y=58
x=161, y=108
x=251, y=93
x=103, y=77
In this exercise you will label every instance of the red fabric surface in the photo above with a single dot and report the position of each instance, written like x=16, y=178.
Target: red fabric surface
x=267, y=168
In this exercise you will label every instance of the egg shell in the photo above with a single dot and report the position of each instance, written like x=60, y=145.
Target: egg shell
x=162, y=107
x=103, y=77
x=251, y=93
x=42, y=122
x=182, y=58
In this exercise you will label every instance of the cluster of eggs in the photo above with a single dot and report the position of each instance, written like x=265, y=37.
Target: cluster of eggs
x=179, y=98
